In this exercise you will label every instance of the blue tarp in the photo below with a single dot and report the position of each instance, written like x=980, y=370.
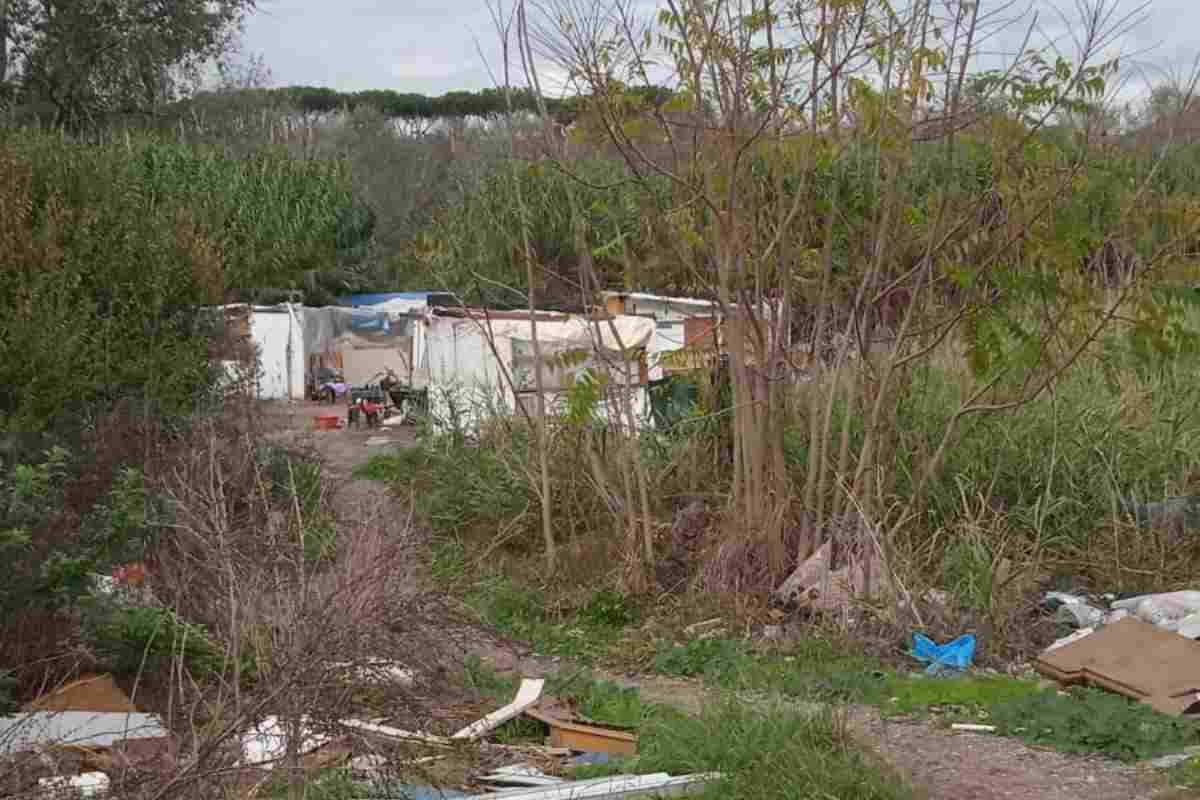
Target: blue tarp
x=357, y=300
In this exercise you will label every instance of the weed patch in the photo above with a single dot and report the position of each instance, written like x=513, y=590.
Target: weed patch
x=1093, y=721
x=609, y=703
x=766, y=754
x=383, y=468
x=958, y=698
x=527, y=616
x=724, y=662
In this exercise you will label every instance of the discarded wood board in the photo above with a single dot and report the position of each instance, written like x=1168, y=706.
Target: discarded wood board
x=98, y=693
x=527, y=694
x=1134, y=659
x=585, y=738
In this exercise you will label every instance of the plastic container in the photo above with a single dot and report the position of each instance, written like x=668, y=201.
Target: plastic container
x=328, y=422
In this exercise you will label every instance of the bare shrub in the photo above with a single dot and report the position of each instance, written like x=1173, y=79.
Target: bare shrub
x=268, y=607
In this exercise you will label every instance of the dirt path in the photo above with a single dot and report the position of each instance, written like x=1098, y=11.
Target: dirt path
x=943, y=764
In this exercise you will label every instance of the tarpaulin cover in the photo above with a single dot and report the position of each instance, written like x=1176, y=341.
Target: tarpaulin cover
x=323, y=327
x=577, y=333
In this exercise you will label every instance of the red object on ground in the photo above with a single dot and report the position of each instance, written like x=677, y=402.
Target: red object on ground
x=327, y=422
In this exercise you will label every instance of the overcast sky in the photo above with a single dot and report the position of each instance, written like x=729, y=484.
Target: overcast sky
x=433, y=46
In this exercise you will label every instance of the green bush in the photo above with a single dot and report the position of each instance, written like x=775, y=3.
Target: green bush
x=134, y=639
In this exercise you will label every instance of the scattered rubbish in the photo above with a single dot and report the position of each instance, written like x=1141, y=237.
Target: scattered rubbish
x=589, y=760
x=568, y=732
x=1189, y=627
x=380, y=671
x=368, y=765
x=378, y=441
x=1074, y=610
x=1081, y=615
x=1134, y=659
x=266, y=743
x=1074, y=637
x=389, y=732
x=520, y=775
x=815, y=584
x=937, y=597
x=659, y=784
x=416, y=791
x=91, y=713
x=1056, y=599
x=1167, y=610
x=697, y=628
x=970, y=728
x=87, y=784
x=956, y=656
x=527, y=694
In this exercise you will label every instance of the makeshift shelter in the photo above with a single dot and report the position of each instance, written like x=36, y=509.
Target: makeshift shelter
x=680, y=323
x=290, y=342
x=480, y=363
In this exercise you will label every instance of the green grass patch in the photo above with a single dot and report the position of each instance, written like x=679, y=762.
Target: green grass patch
x=1094, y=721
x=963, y=698
x=383, y=468
x=765, y=753
x=724, y=662
x=581, y=634
x=611, y=704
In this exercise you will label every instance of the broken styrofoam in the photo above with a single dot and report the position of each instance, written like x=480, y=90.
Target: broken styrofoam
x=527, y=694
x=88, y=784
x=266, y=744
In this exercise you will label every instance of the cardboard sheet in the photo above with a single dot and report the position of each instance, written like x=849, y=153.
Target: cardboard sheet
x=1133, y=658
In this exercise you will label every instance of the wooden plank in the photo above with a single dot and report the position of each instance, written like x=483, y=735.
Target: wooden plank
x=586, y=738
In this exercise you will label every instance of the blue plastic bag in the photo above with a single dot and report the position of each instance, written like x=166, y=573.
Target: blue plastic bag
x=956, y=656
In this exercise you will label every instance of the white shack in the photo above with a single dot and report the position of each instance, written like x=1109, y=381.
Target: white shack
x=482, y=363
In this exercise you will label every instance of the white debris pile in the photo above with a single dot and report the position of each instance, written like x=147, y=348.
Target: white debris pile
x=1172, y=611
